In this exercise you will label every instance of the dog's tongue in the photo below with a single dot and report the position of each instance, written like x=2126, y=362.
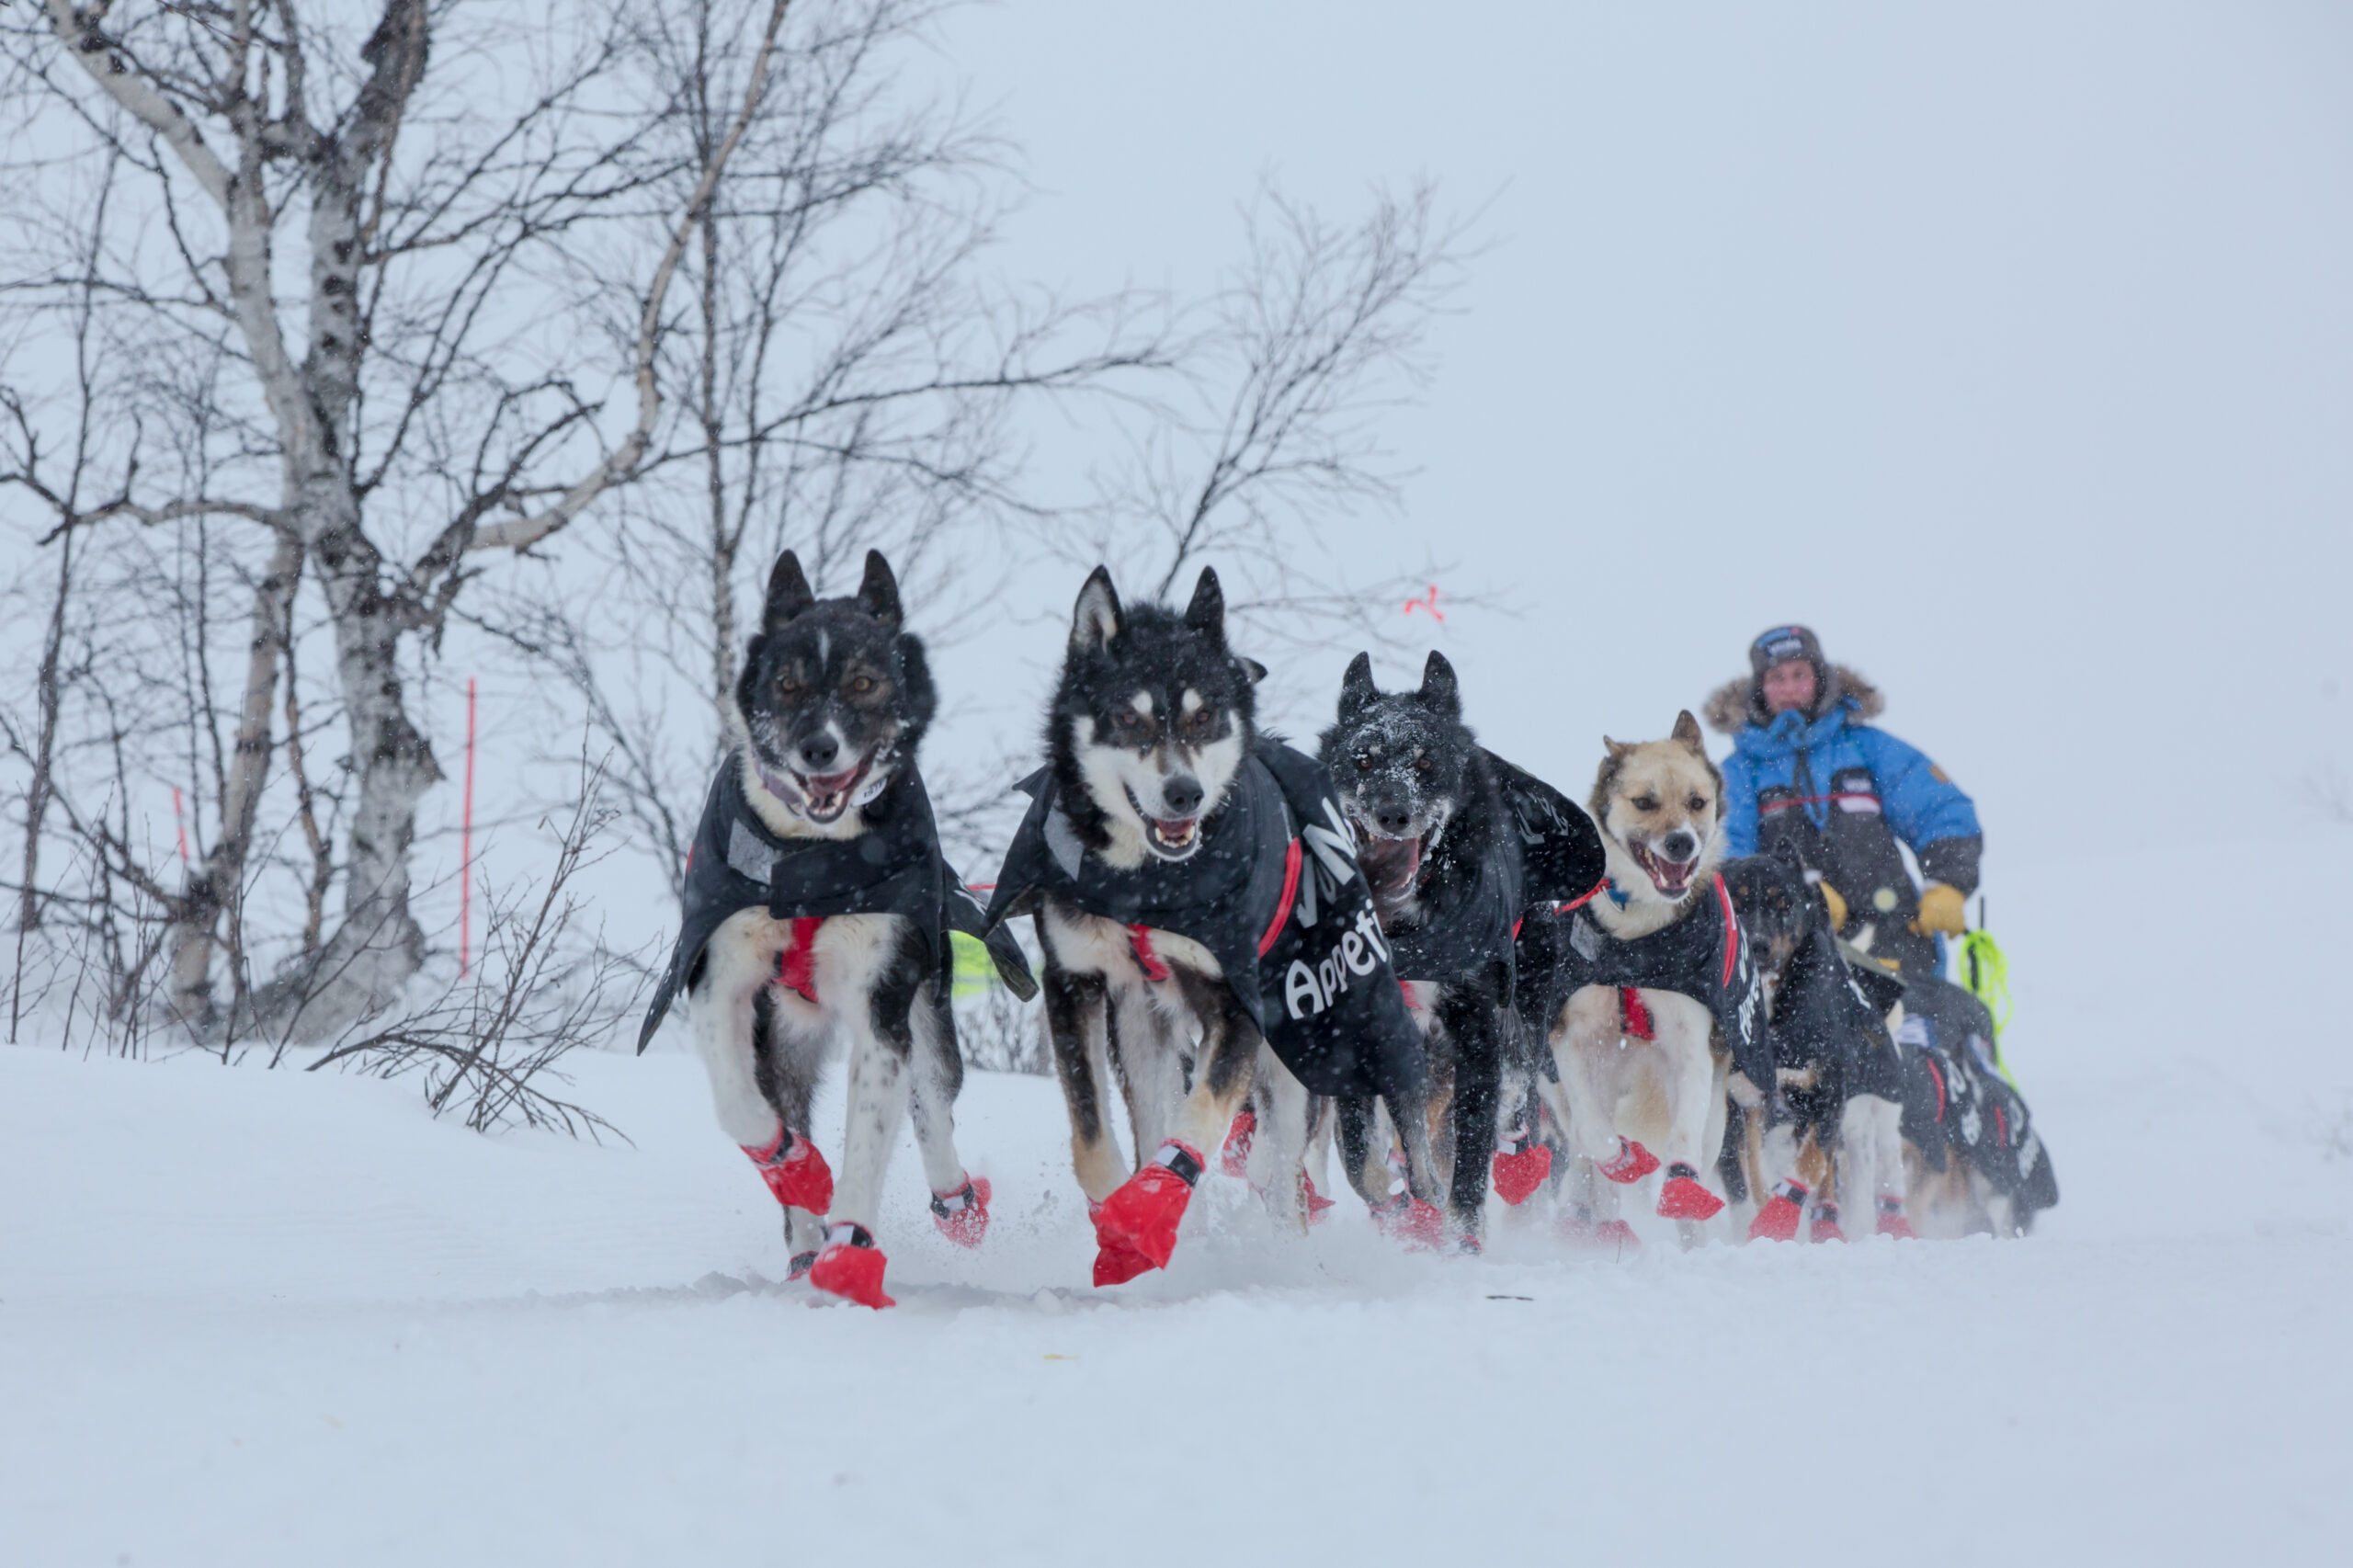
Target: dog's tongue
x=830, y=783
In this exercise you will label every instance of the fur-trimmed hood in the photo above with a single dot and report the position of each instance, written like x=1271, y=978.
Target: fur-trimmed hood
x=1738, y=703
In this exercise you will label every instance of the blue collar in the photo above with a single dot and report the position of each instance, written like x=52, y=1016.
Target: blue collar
x=1609, y=886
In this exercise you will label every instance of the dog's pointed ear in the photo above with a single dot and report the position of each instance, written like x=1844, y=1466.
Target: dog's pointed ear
x=1686, y=729
x=877, y=595
x=1441, y=693
x=1257, y=671
x=788, y=593
x=1207, y=612
x=1357, y=690
x=1096, y=620
x=1616, y=749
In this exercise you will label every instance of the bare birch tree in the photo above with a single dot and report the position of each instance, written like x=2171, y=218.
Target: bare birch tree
x=408, y=405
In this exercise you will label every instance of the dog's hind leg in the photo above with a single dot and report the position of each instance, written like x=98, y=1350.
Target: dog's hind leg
x=959, y=1202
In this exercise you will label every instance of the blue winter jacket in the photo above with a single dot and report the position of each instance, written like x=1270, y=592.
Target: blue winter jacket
x=1921, y=804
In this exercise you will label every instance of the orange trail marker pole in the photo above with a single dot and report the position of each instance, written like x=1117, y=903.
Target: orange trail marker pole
x=180, y=823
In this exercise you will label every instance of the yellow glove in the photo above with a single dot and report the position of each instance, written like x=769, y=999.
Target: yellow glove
x=1941, y=912
x=1837, y=906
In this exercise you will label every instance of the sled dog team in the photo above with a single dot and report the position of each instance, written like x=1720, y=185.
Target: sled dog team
x=1404, y=945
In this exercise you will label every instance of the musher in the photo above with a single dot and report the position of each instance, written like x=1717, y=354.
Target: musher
x=1808, y=765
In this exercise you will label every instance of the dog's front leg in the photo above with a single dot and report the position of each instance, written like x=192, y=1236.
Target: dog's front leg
x=1135, y=1228
x=1690, y=1076
x=1075, y=1026
x=1474, y=1023
x=1585, y=1048
x=734, y=968
x=875, y=1016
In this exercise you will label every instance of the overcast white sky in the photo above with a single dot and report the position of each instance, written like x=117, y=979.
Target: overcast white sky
x=2009, y=345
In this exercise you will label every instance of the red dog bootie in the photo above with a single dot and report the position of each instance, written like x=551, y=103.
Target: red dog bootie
x=795, y=1172
x=1521, y=1168
x=1233, y=1160
x=1136, y=1227
x=1778, y=1221
x=851, y=1266
x=1318, y=1205
x=1632, y=1164
x=962, y=1215
x=1684, y=1198
x=1826, y=1224
x=1407, y=1219
x=1617, y=1237
x=1892, y=1222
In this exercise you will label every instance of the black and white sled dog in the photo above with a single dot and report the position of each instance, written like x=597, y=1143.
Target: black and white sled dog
x=817, y=911
x=1828, y=1129
x=1973, y=1161
x=1456, y=844
x=1652, y=999
x=1205, y=925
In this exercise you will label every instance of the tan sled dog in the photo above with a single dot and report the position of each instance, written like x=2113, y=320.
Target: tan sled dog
x=1656, y=995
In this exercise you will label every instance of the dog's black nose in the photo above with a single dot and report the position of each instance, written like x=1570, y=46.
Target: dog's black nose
x=1392, y=820
x=817, y=753
x=1678, y=846
x=1182, y=794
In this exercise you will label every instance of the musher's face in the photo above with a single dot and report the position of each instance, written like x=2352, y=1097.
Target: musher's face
x=1790, y=684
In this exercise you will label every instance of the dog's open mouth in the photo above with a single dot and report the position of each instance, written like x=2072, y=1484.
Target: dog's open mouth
x=1389, y=864
x=1172, y=837
x=828, y=795
x=1672, y=877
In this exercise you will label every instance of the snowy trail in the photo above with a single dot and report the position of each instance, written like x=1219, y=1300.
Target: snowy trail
x=255, y=1317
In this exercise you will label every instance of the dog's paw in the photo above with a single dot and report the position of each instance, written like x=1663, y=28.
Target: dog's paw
x=962, y=1215
x=1778, y=1221
x=851, y=1267
x=1826, y=1228
x=1233, y=1160
x=1892, y=1222
x=1684, y=1198
x=1411, y=1221
x=1632, y=1164
x=1518, y=1174
x=1135, y=1229
x=795, y=1172
x=1318, y=1205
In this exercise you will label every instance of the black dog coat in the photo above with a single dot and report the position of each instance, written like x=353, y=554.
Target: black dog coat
x=1274, y=892
x=894, y=867
x=1549, y=853
x=1702, y=956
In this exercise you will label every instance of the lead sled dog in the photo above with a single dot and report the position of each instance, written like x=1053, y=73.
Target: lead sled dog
x=816, y=918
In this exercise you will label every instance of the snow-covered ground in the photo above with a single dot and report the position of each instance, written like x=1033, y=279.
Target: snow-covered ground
x=252, y=1317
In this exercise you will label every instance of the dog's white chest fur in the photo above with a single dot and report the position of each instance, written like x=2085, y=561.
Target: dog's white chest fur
x=850, y=951
x=1088, y=944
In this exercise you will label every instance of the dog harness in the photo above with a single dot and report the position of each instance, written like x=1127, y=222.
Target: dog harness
x=1274, y=892
x=894, y=867
x=1702, y=956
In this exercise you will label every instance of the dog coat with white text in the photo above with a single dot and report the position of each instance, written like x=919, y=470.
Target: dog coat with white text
x=894, y=867
x=1274, y=892
x=1702, y=956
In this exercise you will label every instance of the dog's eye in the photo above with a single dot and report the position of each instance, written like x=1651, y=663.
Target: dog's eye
x=1646, y=803
x=1367, y=758
x=861, y=685
x=788, y=684
x=1697, y=802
